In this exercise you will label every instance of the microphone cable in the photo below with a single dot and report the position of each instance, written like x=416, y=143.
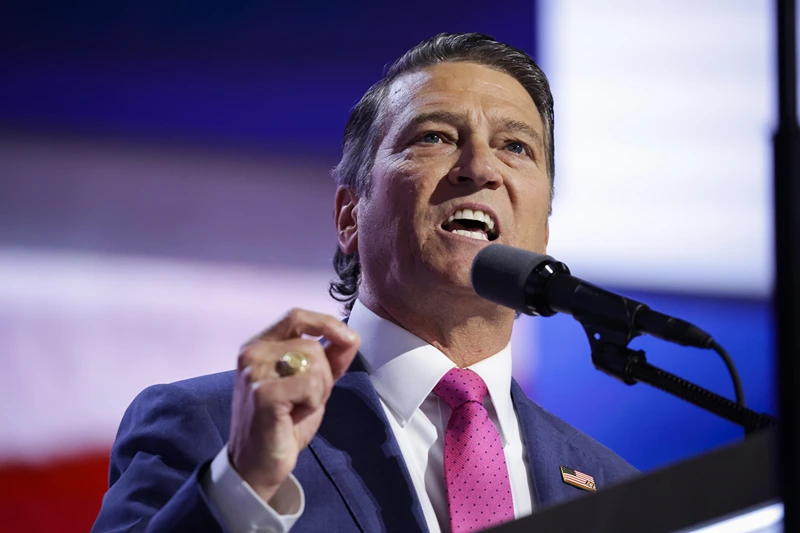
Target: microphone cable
x=737, y=382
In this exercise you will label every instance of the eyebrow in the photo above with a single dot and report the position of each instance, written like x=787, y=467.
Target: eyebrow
x=520, y=127
x=449, y=117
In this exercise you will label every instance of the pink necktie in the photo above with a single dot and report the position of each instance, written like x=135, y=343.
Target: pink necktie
x=478, y=489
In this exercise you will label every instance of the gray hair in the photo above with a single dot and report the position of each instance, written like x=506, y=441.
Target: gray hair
x=364, y=127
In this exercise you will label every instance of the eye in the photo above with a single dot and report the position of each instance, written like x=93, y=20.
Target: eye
x=431, y=138
x=517, y=147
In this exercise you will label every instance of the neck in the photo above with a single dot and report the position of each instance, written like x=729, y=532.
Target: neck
x=467, y=329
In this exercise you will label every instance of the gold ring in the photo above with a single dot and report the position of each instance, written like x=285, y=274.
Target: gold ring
x=291, y=363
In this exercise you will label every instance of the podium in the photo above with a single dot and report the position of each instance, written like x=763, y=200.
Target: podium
x=684, y=497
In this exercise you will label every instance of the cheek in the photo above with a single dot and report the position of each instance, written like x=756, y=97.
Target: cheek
x=390, y=204
x=403, y=187
x=532, y=213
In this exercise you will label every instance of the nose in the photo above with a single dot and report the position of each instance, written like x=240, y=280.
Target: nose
x=477, y=164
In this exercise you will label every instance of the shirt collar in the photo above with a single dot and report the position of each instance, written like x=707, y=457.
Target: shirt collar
x=404, y=368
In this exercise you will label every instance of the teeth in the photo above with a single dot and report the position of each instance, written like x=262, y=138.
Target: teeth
x=472, y=234
x=469, y=214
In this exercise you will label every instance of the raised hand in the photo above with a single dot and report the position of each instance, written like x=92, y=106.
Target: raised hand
x=275, y=417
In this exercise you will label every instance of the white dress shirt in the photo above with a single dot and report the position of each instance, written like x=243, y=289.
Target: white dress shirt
x=404, y=370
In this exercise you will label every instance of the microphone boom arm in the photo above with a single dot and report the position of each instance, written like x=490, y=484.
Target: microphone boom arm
x=611, y=355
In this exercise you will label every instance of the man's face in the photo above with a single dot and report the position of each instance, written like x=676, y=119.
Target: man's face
x=462, y=141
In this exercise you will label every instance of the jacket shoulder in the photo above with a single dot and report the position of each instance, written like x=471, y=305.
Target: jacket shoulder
x=211, y=387
x=210, y=393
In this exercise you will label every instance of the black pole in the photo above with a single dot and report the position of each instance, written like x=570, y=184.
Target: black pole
x=787, y=260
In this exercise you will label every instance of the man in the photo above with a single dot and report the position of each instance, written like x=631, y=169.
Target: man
x=406, y=417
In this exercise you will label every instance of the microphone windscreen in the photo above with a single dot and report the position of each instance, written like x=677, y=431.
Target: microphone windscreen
x=500, y=274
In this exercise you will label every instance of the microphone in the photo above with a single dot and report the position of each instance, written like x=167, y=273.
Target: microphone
x=537, y=284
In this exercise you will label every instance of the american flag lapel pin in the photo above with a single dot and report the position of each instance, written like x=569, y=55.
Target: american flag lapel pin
x=577, y=479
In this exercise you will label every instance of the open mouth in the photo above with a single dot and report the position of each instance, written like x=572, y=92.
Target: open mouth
x=472, y=223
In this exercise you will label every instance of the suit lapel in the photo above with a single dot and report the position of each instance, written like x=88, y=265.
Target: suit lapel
x=357, y=449
x=547, y=448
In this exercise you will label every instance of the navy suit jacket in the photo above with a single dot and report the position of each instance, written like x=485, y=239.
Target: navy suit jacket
x=353, y=474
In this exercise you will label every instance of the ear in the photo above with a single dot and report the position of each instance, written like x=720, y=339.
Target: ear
x=346, y=217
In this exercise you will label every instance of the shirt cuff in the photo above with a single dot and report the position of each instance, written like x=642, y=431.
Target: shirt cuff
x=242, y=508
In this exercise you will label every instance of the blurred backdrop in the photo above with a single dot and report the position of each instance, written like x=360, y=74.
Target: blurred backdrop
x=165, y=193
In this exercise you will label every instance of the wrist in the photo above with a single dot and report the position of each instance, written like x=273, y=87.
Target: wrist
x=264, y=488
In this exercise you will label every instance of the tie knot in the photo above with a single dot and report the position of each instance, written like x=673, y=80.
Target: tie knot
x=460, y=386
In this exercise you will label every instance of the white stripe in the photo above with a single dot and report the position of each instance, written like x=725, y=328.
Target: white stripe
x=82, y=334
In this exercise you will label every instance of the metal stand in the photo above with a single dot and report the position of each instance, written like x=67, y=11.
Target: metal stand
x=631, y=367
